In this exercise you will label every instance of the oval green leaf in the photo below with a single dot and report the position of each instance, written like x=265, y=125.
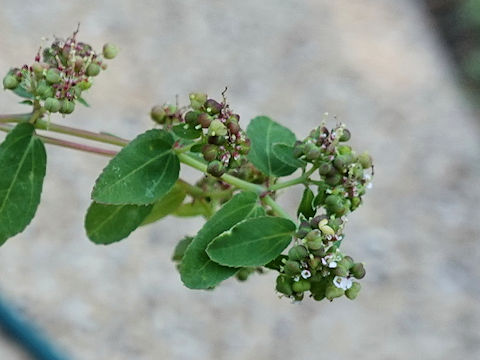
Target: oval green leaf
x=253, y=242
x=22, y=170
x=144, y=171
x=263, y=134
x=306, y=204
x=197, y=270
x=284, y=153
x=185, y=131
x=106, y=224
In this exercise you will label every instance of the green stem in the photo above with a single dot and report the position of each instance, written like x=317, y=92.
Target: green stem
x=68, y=144
x=85, y=134
x=277, y=209
x=298, y=180
x=15, y=118
x=229, y=179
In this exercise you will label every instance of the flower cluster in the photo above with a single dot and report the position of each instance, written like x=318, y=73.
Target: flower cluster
x=223, y=143
x=344, y=175
x=58, y=81
x=316, y=264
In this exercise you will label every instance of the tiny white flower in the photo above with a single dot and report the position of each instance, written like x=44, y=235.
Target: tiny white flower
x=332, y=265
x=369, y=185
x=306, y=274
x=342, y=282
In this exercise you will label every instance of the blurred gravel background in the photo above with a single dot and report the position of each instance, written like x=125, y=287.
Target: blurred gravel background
x=375, y=64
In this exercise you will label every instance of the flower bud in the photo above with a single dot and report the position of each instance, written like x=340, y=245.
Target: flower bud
x=217, y=128
x=53, y=76
x=109, y=51
x=365, y=160
x=356, y=201
x=67, y=107
x=197, y=100
x=292, y=268
x=345, y=135
x=243, y=274
x=300, y=286
x=352, y=293
x=344, y=149
x=158, y=114
x=209, y=152
x=298, y=252
x=213, y=107
x=52, y=105
x=37, y=69
x=332, y=292
x=358, y=271
x=204, y=120
x=216, y=168
x=283, y=285
x=93, y=69
x=298, y=296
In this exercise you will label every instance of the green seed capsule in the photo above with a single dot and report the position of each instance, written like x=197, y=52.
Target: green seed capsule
x=346, y=135
x=244, y=273
x=325, y=168
x=191, y=117
x=52, y=105
x=209, y=152
x=300, y=286
x=109, y=51
x=333, y=179
x=346, y=262
x=197, y=100
x=344, y=149
x=44, y=91
x=216, y=168
x=298, y=149
x=315, y=244
x=313, y=154
x=84, y=85
x=365, y=160
x=340, y=270
x=292, y=268
x=93, y=69
x=352, y=293
x=333, y=203
x=298, y=252
x=67, y=107
x=53, y=76
x=358, y=271
x=213, y=107
x=283, y=285
x=298, y=296
x=158, y=114
x=217, y=128
x=332, y=292
x=10, y=82
x=38, y=69
x=204, y=120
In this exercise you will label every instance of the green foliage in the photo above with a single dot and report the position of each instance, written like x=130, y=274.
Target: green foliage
x=22, y=162
x=264, y=133
x=197, y=270
x=143, y=172
x=106, y=224
x=252, y=242
x=246, y=230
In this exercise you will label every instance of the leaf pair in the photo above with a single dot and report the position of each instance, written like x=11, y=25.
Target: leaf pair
x=136, y=187
x=237, y=235
x=272, y=147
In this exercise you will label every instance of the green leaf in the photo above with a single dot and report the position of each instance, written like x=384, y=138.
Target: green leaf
x=285, y=153
x=263, y=133
x=185, y=131
x=83, y=102
x=22, y=92
x=144, y=171
x=106, y=224
x=195, y=208
x=22, y=170
x=198, y=271
x=306, y=204
x=252, y=242
x=166, y=205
